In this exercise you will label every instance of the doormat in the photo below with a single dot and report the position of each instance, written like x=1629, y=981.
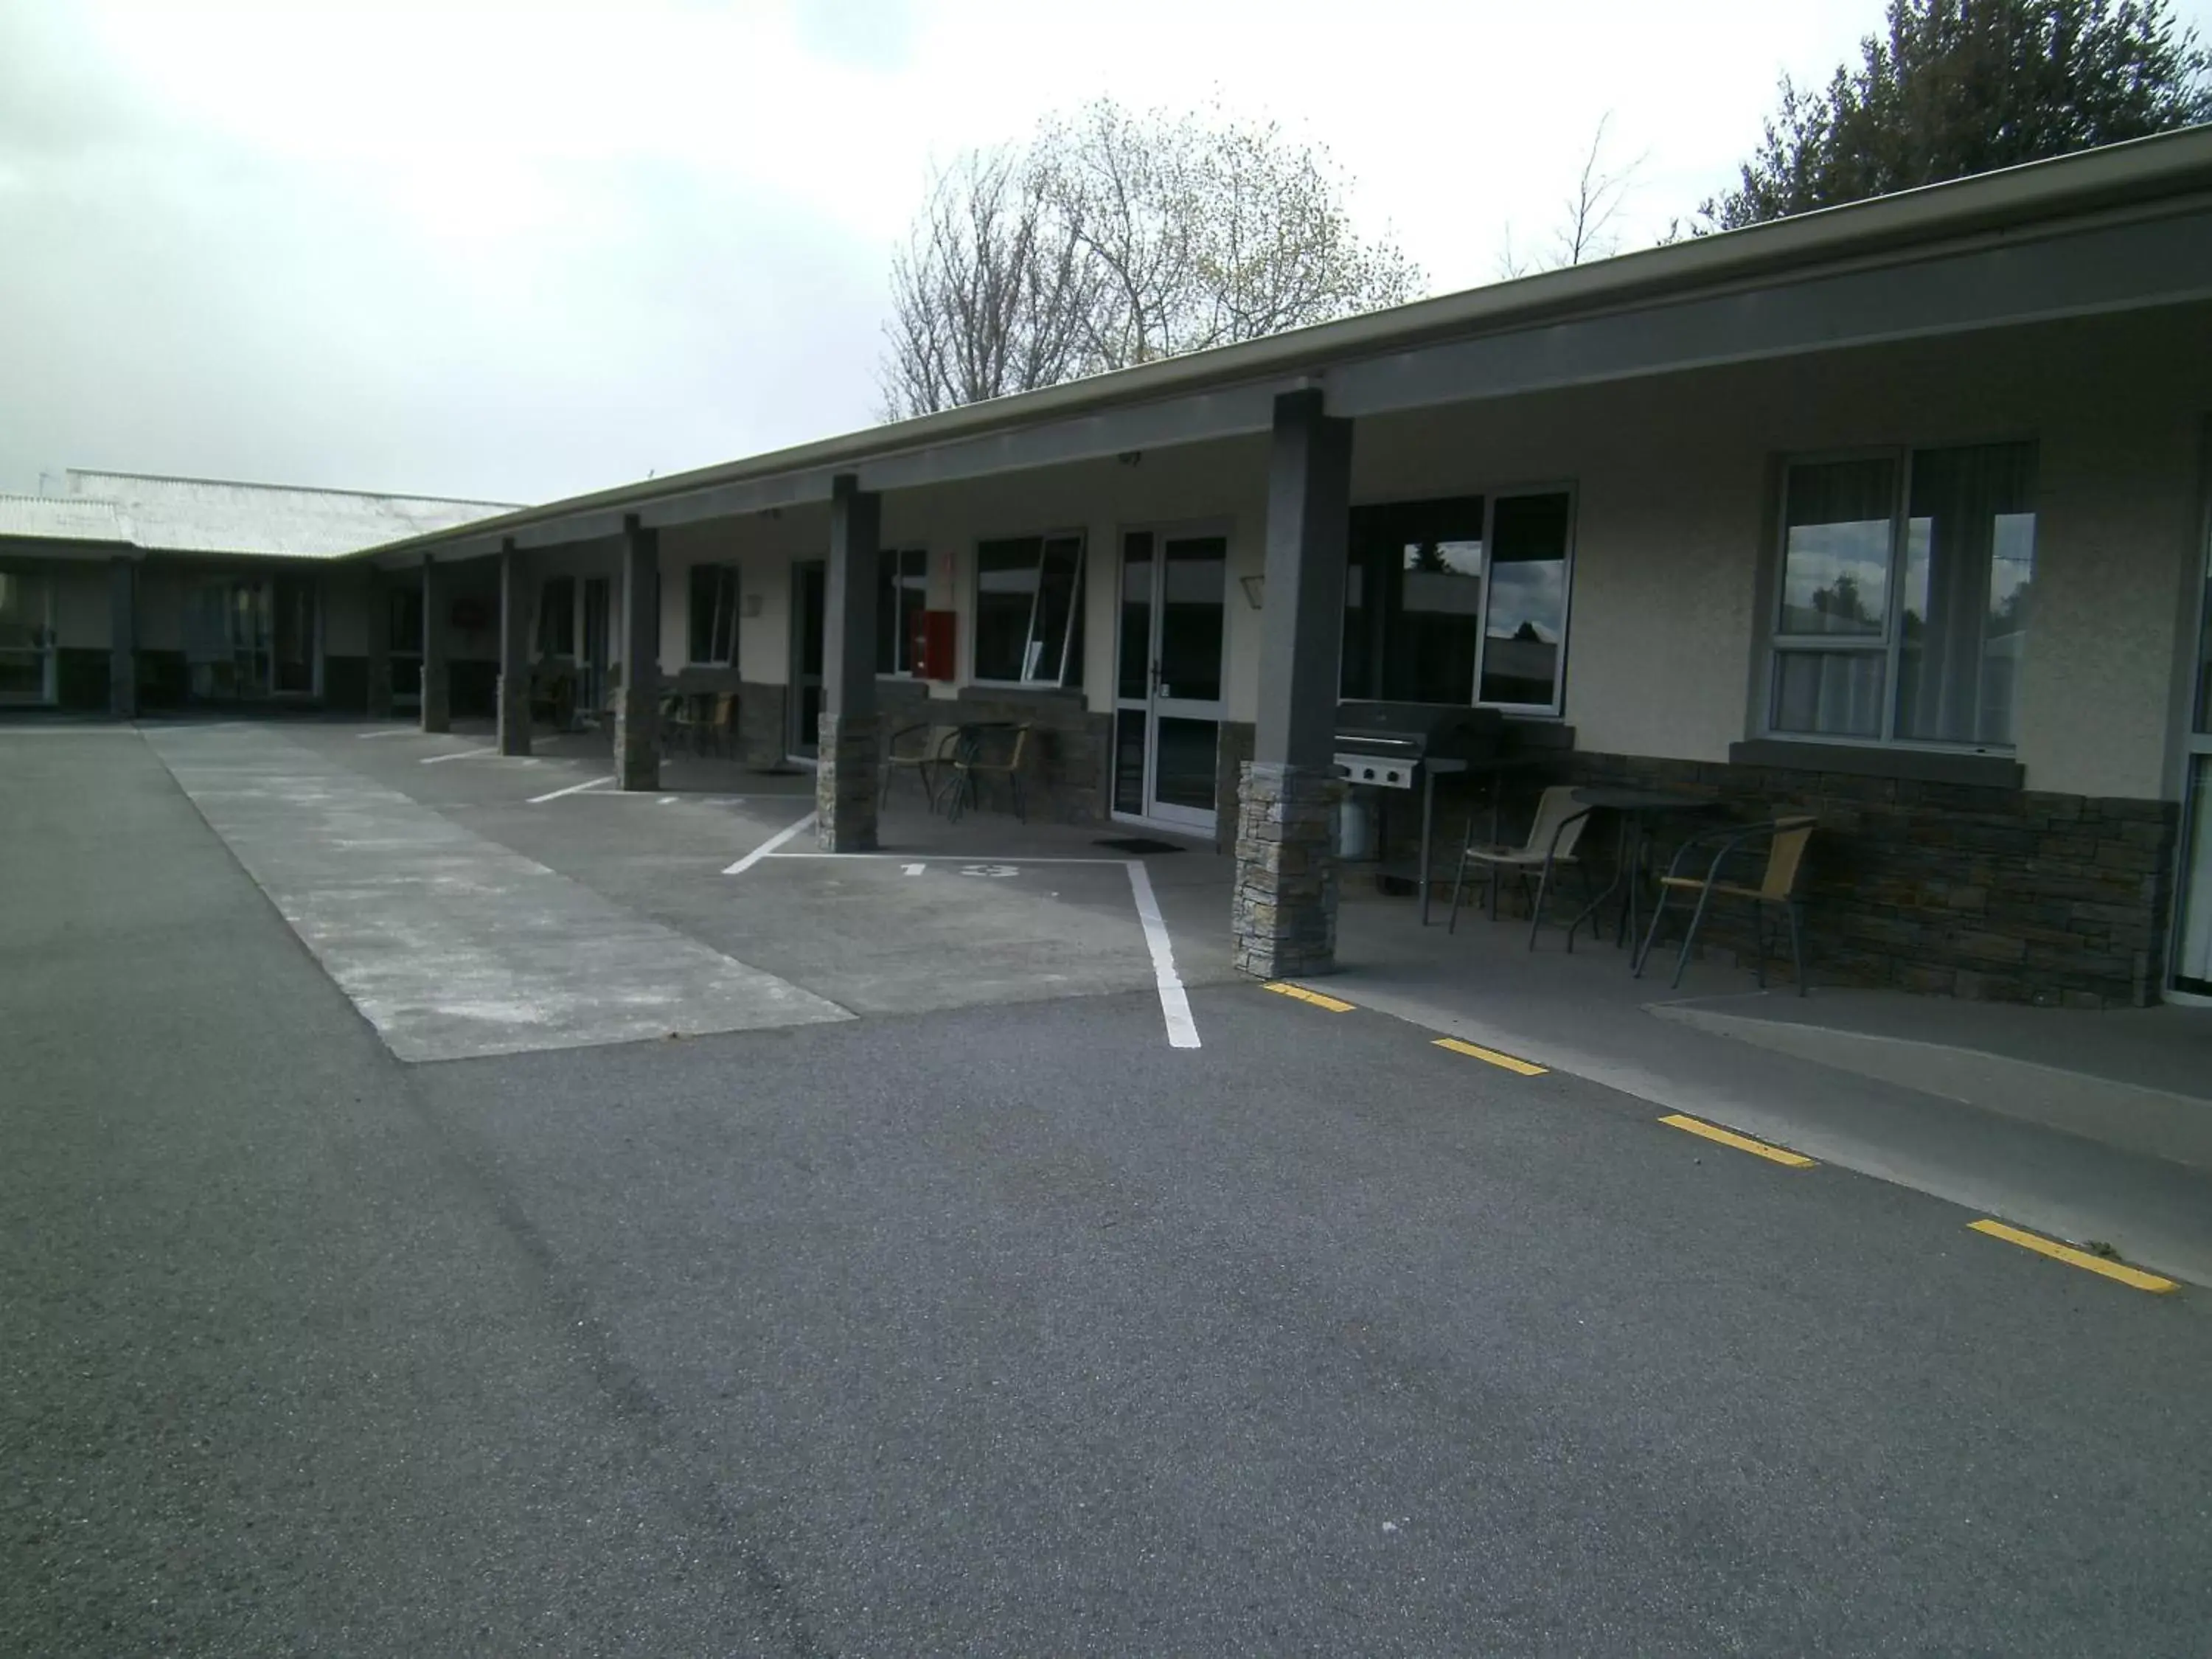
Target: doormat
x=1141, y=845
x=775, y=771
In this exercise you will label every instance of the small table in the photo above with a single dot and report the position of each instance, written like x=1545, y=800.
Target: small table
x=1635, y=808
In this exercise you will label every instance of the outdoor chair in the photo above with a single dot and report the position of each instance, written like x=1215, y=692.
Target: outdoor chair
x=925, y=751
x=976, y=755
x=677, y=720
x=1551, y=839
x=721, y=732
x=1785, y=841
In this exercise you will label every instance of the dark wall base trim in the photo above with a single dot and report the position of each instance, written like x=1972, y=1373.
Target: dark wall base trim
x=1913, y=765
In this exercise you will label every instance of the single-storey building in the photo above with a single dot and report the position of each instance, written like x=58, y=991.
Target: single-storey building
x=122, y=590
x=1895, y=513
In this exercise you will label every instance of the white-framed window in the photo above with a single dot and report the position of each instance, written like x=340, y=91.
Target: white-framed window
x=1462, y=599
x=901, y=594
x=1029, y=610
x=714, y=616
x=1904, y=585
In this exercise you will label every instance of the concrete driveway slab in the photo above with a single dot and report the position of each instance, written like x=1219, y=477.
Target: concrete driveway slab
x=450, y=943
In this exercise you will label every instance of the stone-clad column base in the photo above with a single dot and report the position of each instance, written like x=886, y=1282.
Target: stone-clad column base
x=1284, y=920
x=637, y=740
x=844, y=785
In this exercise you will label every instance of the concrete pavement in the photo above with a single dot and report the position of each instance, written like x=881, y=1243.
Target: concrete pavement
x=1004, y=1328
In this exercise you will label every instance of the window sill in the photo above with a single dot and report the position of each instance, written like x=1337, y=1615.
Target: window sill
x=1871, y=761
x=980, y=689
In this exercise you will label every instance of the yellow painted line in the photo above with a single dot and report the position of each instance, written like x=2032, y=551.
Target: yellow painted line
x=1493, y=1056
x=1781, y=1155
x=2074, y=1258
x=1332, y=1004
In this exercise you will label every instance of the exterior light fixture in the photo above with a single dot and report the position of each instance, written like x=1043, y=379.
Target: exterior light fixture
x=1255, y=588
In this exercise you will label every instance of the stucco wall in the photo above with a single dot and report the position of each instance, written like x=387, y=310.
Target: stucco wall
x=1676, y=484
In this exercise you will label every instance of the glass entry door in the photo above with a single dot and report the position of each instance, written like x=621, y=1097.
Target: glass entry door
x=403, y=643
x=2192, y=944
x=591, y=663
x=27, y=638
x=810, y=590
x=1167, y=701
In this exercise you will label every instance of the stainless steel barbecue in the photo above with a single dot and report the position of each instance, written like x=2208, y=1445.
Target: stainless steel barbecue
x=1387, y=743
x=1396, y=745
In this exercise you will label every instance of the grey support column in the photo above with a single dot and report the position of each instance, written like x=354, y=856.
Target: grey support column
x=437, y=679
x=637, y=700
x=123, y=639
x=1284, y=914
x=513, y=654
x=851, y=759
x=378, y=601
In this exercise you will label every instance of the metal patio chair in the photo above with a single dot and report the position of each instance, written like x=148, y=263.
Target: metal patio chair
x=1551, y=839
x=981, y=752
x=721, y=732
x=925, y=751
x=1785, y=842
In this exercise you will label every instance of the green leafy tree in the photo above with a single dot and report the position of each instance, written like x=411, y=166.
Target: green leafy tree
x=1961, y=87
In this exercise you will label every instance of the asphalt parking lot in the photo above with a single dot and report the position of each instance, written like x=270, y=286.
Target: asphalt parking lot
x=997, y=1326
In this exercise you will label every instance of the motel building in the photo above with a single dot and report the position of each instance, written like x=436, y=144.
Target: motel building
x=1894, y=514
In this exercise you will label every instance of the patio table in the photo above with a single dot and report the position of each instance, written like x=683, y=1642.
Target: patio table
x=1634, y=809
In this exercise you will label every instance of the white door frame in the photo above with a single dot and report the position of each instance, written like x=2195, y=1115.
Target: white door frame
x=1154, y=706
x=2194, y=918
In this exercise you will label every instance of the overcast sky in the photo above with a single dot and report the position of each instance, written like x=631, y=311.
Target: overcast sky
x=513, y=251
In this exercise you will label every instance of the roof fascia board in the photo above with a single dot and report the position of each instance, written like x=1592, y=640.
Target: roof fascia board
x=2122, y=267
x=73, y=549
x=1201, y=418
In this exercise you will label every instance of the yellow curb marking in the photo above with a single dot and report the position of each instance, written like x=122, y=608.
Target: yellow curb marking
x=1332, y=1004
x=1508, y=1061
x=1781, y=1155
x=2074, y=1258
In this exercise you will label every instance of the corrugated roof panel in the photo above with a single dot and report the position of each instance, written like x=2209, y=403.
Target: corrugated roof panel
x=62, y=518
x=212, y=515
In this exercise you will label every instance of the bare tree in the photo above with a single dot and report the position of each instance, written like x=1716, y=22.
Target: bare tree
x=1584, y=231
x=1113, y=239
x=991, y=294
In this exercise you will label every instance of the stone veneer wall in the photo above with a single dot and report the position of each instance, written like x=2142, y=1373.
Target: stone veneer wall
x=764, y=737
x=1987, y=893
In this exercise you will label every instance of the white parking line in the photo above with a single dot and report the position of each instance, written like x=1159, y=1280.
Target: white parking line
x=573, y=789
x=1174, y=1005
x=769, y=845
x=1175, y=1002
x=392, y=732
x=465, y=754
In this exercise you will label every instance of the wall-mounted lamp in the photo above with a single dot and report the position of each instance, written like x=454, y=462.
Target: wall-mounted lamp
x=1255, y=589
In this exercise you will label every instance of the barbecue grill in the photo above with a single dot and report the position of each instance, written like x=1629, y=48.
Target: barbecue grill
x=1398, y=745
